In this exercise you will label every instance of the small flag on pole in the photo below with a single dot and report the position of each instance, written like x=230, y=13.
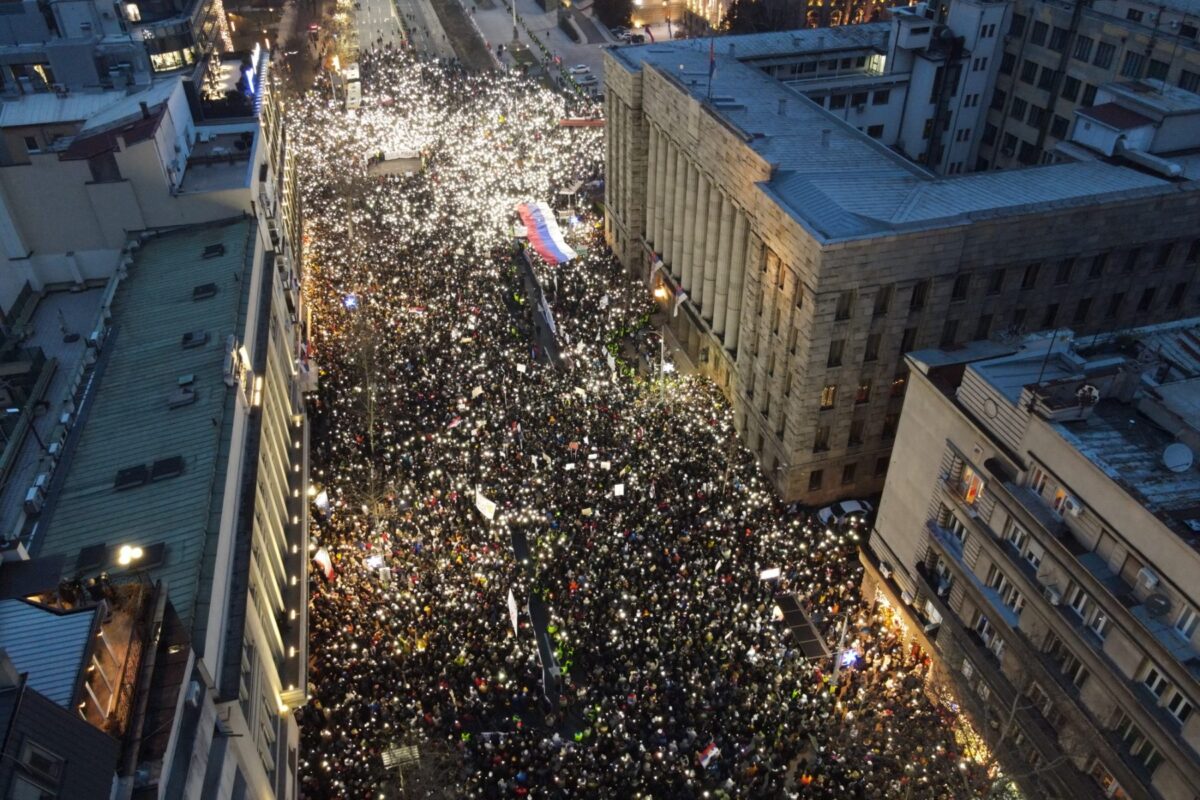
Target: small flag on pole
x=324, y=562
x=709, y=753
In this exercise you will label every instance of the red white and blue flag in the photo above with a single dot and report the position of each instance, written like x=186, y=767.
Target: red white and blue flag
x=709, y=753
x=544, y=234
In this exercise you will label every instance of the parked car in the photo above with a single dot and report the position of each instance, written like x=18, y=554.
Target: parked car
x=580, y=69
x=586, y=80
x=844, y=510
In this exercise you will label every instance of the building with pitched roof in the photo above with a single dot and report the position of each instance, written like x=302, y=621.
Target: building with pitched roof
x=1040, y=527
x=806, y=256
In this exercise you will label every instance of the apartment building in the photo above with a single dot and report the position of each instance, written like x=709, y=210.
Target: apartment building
x=1058, y=55
x=1041, y=526
x=169, y=520
x=805, y=256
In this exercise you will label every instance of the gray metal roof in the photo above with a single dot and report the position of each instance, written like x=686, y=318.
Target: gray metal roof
x=126, y=421
x=48, y=645
x=840, y=183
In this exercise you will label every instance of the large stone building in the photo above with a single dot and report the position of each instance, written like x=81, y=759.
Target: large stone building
x=808, y=258
x=1041, y=527
x=1058, y=55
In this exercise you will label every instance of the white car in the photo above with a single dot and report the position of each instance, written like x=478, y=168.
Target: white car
x=586, y=80
x=844, y=510
x=580, y=69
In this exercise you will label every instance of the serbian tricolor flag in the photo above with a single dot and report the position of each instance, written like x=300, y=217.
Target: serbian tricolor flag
x=324, y=562
x=543, y=233
x=709, y=753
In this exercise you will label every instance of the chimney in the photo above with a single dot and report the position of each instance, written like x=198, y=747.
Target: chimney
x=825, y=133
x=783, y=106
x=145, y=110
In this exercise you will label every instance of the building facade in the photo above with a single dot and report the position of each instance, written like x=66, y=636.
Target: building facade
x=1057, y=56
x=1041, y=523
x=806, y=258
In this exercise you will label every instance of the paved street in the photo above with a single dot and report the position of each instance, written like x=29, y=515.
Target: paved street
x=377, y=24
x=496, y=25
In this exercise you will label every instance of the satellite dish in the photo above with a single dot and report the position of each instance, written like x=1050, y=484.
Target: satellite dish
x=1158, y=604
x=1178, y=457
x=1087, y=395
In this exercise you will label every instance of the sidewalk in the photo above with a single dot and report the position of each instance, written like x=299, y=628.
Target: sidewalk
x=495, y=24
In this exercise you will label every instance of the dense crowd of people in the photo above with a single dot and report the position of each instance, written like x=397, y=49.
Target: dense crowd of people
x=547, y=571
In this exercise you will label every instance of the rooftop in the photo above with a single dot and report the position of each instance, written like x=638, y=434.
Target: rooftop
x=1157, y=95
x=145, y=471
x=841, y=184
x=218, y=161
x=49, y=645
x=97, y=108
x=1114, y=116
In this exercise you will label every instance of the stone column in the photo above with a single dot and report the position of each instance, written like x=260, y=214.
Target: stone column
x=713, y=231
x=651, y=177
x=696, y=290
x=681, y=165
x=737, y=274
x=724, y=249
x=689, y=229
x=660, y=190
x=664, y=247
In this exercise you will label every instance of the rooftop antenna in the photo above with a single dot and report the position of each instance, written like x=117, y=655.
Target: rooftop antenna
x=1042, y=370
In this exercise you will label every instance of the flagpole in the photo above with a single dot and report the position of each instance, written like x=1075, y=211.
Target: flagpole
x=712, y=62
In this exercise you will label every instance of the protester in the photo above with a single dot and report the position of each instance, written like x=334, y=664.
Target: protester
x=626, y=510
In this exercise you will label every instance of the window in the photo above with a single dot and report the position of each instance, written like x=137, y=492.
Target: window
x=31, y=145
x=1009, y=596
x=1017, y=111
x=996, y=282
x=1177, y=293
x=881, y=465
x=1188, y=31
x=1029, y=279
x=1081, y=311
x=1104, y=55
x=1114, y=305
x=1078, y=599
x=890, y=423
x=979, y=65
x=829, y=396
x=1018, y=319
x=821, y=439
x=962, y=284
x=1131, y=67
x=1155, y=681
x=983, y=327
x=1096, y=269
x=881, y=97
x=1037, y=480
x=1180, y=707
x=1083, y=48
x=1059, y=126
x=1099, y=624
x=989, y=133
x=1162, y=256
x=987, y=31
x=1036, y=115
x=837, y=101
x=970, y=485
x=1046, y=78
x=999, y=98
x=962, y=134
x=1157, y=69
x=883, y=301
x=1058, y=39
x=863, y=395
x=835, y=353
x=814, y=479
x=1049, y=317
x=845, y=305
x=1017, y=26
x=1107, y=782
x=1038, y=35
x=871, y=353
x=1015, y=535
x=1146, y=300
x=1189, y=81
x=875, y=131
x=856, y=433
x=1185, y=623
x=1070, y=88
x=907, y=340
x=848, y=474
x=1133, y=15
x=1029, y=71
x=1029, y=153
x=949, y=333
x=920, y=294
x=1089, y=96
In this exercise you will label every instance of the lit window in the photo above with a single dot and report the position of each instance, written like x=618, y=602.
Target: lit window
x=829, y=396
x=970, y=485
x=1107, y=782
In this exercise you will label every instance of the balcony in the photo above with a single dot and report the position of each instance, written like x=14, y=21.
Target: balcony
x=1033, y=505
